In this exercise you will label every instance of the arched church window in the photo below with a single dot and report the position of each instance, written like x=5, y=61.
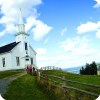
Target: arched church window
x=26, y=46
x=17, y=61
x=3, y=61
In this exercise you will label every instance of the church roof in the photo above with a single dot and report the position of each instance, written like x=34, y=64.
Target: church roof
x=8, y=47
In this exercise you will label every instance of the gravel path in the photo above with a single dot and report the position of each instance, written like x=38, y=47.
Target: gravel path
x=5, y=81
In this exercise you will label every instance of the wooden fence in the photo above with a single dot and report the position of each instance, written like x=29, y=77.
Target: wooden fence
x=50, y=68
x=64, y=85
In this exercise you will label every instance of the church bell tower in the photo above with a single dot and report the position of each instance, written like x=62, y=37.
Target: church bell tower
x=22, y=37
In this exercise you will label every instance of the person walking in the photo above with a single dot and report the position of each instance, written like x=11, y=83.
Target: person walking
x=27, y=69
x=30, y=69
x=33, y=71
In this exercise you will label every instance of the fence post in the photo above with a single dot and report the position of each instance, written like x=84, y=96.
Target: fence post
x=46, y=79
x=39, y=75
x=64, y=84
x=41, y=71
x=48, y=67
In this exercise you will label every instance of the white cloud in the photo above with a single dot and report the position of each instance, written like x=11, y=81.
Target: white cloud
x=46, y=40
x=63, y=31
x=69, y=46
x=6, y=19
x=66, y=61
x=98, y=34
x=40, y=30
x=29, y=13
x=79, y=48
x=41, y=51
x=57, y=52
x=89, y=26
x=80, y=54
x=97, y=5
x=30, y=21
x=12, y=7
x=91, y=51
x=10, y=28
x=39, y=58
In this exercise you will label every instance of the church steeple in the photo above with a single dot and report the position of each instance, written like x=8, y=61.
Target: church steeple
x=21, y=29
x=21, y=26
x=20, y=18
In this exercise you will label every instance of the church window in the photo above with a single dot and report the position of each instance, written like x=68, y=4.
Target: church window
x=26, y=46
x=31, y=60
x=27, y=59
x=17, y=61
x=3, y=61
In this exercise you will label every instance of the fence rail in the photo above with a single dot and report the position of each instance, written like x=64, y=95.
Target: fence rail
x=50, y=68
x=74, y=81
x=64, y=84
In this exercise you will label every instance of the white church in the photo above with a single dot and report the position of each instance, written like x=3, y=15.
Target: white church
x=19, y=54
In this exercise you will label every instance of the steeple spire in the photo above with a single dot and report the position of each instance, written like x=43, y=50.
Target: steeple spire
x=21, y=35
x=20, y=18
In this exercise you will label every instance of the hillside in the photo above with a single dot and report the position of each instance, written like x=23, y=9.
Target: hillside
x=76, y=69
x=90, y=79
x=26, y=88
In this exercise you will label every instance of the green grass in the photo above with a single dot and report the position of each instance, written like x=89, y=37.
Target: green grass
x=98, y=66
x=26, y=88
x=90, y=79
x=4, y=74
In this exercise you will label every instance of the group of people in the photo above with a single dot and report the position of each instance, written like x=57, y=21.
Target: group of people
x=29, y=70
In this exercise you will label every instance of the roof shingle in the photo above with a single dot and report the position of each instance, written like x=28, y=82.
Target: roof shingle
x=8, y=47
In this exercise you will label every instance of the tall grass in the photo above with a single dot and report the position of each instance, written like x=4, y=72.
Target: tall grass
x=27, y=88
x=4, y=74
x=90, y=79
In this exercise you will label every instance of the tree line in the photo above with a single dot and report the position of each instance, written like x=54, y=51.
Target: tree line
x=91, y=69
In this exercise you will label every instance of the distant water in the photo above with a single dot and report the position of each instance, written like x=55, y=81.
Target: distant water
x=74, y=69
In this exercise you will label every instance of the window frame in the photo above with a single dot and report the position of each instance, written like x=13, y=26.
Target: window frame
x=32, y=61
x=3, y=63
x=27, y=59
x=26, y=46
x=18, y=61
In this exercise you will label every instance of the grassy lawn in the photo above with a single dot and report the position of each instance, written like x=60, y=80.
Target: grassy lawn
x=25, y=88
x=98, y=66
x=90, y=79
x=4, y=74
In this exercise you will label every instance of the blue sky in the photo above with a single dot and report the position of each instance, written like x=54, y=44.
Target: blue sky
x=64, y=33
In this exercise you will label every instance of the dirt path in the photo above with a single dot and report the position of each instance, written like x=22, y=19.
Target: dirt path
x=25, y=88
x=5, y=81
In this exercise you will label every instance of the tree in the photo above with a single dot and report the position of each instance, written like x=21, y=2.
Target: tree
x=87, y=69
x=82, y=71
x=94, y=68
x=91, y=69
